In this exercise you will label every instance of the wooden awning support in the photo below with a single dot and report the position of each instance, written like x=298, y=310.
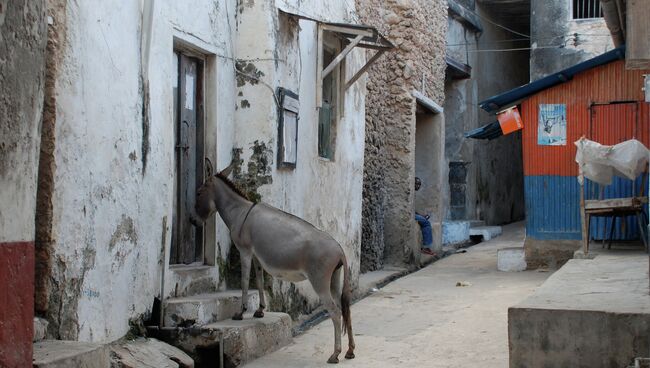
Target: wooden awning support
x=355, y=35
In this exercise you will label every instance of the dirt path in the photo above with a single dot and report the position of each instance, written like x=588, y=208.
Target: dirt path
x=425, y=320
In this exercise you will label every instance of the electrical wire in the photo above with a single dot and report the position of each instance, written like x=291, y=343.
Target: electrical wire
x=495, y=23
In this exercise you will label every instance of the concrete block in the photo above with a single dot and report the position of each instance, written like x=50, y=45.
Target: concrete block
x=243, y=340
x=590, y=313
x=486, y=232
x=148, y=353
x=511, y=259
x=207, y=308
x=455, y=232
x=66, y=354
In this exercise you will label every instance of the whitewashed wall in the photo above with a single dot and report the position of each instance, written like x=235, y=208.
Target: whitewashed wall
x=108, y=212
x=325, y=193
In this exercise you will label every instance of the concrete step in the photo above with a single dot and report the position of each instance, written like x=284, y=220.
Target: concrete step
x=486, y=232
x=243, y=340
x=59, y=354
x=476, y=223
x=206, y=308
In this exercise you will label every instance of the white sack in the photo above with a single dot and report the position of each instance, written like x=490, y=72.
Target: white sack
x=599, y=163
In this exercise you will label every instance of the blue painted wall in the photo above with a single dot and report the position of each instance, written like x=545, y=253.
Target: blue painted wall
x=553, y=208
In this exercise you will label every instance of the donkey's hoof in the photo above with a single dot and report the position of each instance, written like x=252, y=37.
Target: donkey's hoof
x=258, y=314
x=349, y=354
x=333, y=360
x=238, y=317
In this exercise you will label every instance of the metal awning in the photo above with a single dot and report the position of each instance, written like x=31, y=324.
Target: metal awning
x=353, y=35
x=509, y=98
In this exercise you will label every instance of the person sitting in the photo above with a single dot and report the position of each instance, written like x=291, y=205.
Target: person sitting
x=425, y=227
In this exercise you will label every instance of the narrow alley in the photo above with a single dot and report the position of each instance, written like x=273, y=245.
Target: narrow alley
x=425, y=320
x=240, y=183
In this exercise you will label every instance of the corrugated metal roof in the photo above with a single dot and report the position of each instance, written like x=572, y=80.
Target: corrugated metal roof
x=506, y=99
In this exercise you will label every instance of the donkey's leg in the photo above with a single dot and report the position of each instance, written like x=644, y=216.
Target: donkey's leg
x=259, y=276
x=321, y=286
x=245, y=278
x=336, y=289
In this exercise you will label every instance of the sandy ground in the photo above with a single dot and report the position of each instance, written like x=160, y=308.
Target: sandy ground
x=425, y=320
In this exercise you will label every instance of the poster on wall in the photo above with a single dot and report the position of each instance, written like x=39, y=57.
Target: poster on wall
x=551, y=130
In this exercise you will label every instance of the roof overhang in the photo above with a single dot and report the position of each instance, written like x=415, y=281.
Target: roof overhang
x=457, y=70
x=464, y=15
x=509, y=98
x=427, y=103
x=352, y=35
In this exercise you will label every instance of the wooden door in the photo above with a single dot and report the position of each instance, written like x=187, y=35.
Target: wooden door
x=187, y=241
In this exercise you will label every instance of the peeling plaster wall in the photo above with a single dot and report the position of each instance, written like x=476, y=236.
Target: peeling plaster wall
x=110, y=217
x=552, y=25
x=22, y=83
x=281, y=52
x=418, y=30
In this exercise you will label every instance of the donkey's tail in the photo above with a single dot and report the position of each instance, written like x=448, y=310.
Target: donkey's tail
x=346, y=297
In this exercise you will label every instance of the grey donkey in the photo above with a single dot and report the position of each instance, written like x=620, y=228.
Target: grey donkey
x=286, y=246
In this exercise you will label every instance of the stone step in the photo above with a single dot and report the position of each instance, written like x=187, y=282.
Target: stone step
x=148, y=353
x=206, y=308
x=243, y=340
x=57, y=354
x=486, y=232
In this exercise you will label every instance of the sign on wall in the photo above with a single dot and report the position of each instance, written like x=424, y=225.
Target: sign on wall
x=551, y=129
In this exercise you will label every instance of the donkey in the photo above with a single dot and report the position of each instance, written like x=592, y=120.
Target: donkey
x=286, y=246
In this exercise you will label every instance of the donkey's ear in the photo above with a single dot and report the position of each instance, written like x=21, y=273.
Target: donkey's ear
x=226, y=172
x=209, y=169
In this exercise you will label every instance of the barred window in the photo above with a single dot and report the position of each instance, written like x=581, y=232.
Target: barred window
x=585, y=9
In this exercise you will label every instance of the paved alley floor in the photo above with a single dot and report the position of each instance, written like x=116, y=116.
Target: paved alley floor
x=424, y=319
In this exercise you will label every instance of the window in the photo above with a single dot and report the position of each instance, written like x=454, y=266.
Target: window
x=330, y=110
x=288, y=129
x=585, y=9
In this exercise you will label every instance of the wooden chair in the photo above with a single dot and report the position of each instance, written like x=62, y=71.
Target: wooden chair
x=614, y=208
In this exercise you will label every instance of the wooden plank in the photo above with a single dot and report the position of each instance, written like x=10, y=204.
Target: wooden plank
x=637, y=53
x=319, y=68
x=613, y=203
x=340, y=56
x=363, y=69
x=341, y=29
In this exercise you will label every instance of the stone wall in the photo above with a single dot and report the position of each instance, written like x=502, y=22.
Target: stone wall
x=22, y=80
x=417, y=28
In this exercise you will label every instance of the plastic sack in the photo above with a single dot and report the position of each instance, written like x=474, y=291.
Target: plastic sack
x=600, y=163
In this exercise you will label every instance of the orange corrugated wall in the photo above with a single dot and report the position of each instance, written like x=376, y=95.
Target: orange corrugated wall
x=603, y=84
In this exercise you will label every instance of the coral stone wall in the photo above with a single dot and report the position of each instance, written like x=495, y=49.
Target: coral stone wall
x=417, y=28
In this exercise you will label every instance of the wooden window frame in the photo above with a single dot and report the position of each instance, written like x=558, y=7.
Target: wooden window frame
x=289, y=104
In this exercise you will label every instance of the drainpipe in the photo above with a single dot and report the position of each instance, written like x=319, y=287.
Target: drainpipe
x=613, y=12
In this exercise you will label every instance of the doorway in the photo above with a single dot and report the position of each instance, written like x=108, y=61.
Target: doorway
x=430, y=165
x=189, y=151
